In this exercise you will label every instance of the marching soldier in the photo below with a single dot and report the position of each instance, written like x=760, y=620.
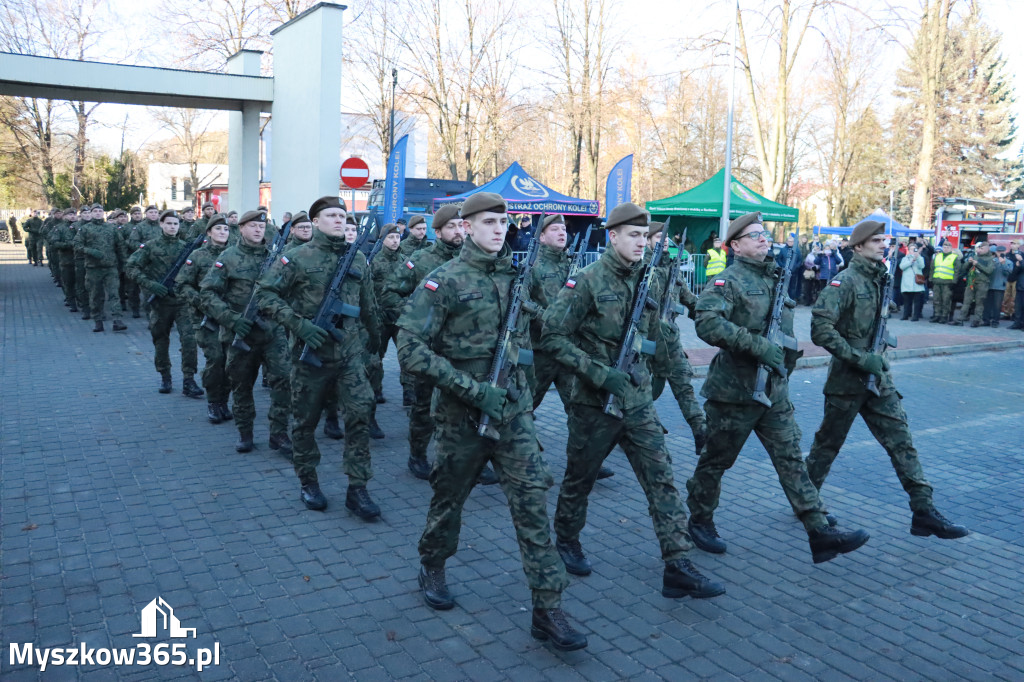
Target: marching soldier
x=207, y=212
x=417, y=238
x=131, y=287
x=843, y=323
x=979, y=276
x=120, y=220
x=81, y=291
x=148, y=266
x=447, y=336
x=62, y=238
x=945, y=265
x=384, y=263
x=732, y=313
x=188, y=224
x=34, y=239
x=215, y=379
x=290, y=293
x=582, y=330
x=101, y=244
x=52, y=255
x=224, y=292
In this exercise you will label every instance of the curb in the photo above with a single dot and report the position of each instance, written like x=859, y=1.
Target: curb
x=701, y=371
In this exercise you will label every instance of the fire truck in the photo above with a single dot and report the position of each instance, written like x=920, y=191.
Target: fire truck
x=965, y=222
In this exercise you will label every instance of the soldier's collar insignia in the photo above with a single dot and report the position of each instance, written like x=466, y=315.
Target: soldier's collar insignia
x=571, y=283
x=834, y=283
x=719, y=282
x=430, y=284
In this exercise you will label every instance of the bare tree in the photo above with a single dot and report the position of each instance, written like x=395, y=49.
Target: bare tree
x=210, y=33
x=190, y=129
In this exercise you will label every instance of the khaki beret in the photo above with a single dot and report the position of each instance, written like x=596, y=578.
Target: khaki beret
x=188, y=209
x=445, y=215
x=416, y=220
x=552, y=220
x=169, y=213
x=95, y=206
x=390, y=228
x=865, y=230
x=116, y=213
x=151, y=207
x=261, y=208
x=737, y=226
x=656, y=229
x=231, y=213
x=627, y=214
x=326, y=202
x=299, y=217
x=253, y=216
x=136, y=208
x=208, y=204
x=481, y=202
x=350, y=219
x=215, y=220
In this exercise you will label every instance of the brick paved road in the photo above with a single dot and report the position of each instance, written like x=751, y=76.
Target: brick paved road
x=112, y=495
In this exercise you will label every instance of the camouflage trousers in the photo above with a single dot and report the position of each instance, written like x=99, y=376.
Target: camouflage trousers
x=33, y=248
x=547, y=370
x=102, y=284
x=976, y=294
x=311, y=387
x=81, y=290
x=524, y=478
x=242, y=368
x=671, y=364
x=163, y=315
x=215, y=377
x=53, y=258
x=375, y=366
x=132, y=292
x=592, y=435
x=887, y=421
x=942, y=300
x=729, y=426
x=421, y=425
x=67, y=276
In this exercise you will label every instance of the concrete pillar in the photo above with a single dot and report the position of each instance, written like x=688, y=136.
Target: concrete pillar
x=244, y=141
x=306, y=158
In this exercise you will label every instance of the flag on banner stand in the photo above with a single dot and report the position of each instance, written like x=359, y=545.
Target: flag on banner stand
x=617, y=191
x=394, y=185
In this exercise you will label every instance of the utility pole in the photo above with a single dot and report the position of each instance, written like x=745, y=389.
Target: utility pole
x=391, y=132
x=723, y=224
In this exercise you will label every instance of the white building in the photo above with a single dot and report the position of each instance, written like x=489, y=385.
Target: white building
x=170, y=184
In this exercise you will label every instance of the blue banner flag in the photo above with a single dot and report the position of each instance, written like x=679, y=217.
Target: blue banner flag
x=394, y=185
x=619, y=180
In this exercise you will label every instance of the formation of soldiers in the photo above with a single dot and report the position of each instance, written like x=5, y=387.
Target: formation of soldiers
x=318, y=315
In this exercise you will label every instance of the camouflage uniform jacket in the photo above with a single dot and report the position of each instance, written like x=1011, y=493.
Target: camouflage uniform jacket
x=843, y=323
x=411, y=245
x=981, y=271
x=145, y=231
x=449, y=330
x=62, y=236
x=226, y=287
x=194, y=270
x=547, y=278
x=293, y=287
x=381, y=269
x=33, y=226
x=100, y=241
x=583, y=328
x=153, y=259
x=130, y=234
x=732, y=314
x=410, y=272
x=76, y=246
x=45, y=228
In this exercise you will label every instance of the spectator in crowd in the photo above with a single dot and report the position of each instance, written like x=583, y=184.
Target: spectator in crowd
x=1018, y=270
x=997, y=286
x=805, y=249
x=1011, y=284
x=810, y=275
x=716, y=258
x=524, y=234
x=783, y=258
x=912, y=283
x=12, y=222
x=827, y=262
x=845, y=252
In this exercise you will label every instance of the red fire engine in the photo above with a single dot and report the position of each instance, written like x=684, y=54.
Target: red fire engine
x=964, y=222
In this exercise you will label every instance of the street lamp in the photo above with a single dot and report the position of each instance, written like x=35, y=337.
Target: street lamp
x=391, y=133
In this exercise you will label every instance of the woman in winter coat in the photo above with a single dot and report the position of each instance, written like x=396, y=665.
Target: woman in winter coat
x=911, y=265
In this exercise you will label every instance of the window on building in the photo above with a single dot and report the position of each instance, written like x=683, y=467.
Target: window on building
x=174, y=189
x=187, y=184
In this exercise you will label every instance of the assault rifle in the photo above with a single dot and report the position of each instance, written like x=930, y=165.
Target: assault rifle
x=774, y=333
x=504, y=362
x=331, y=306
x=670, y=306
x=378, y=245
x=882, y=338
x=168, y=280
x=576, y=262
x=252, y=312
x=632, y=344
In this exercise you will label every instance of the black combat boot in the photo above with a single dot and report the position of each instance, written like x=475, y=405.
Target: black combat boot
x=73, y=308
x=135, y=314
x=552, y=624
x=435, y=588
x=86, y=315
x=827, y=542
x=487, y=476
x=380, y=398
x=99, y=326
x=682, y=579
x=244, y=443
x=225, y=413
x=119, y=326
x=705, y=536
x=375, y=431
x=931, y=522
x=190, y=389
x=576, y=562
x=420, y=467
x=213, y=414
x=312, y=497
x=357, y=500
x=124, y=306
x=165, y=382
x=604, y=472
x=67, y=304
x=331, y=427
x=281, y=441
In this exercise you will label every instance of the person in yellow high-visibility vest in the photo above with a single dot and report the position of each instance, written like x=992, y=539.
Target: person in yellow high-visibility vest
x=716, y=259
x=944, y=268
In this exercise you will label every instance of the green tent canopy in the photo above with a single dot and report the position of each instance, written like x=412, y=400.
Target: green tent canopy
x=705, y=201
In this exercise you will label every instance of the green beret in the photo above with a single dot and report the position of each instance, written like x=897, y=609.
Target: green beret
x=865, y=230
x=656, y=229
x=445, y=215
x=95, y=206
x=325, y=202
x=151, y=207
x=481, y=202
x=627, y=214
x=551, y=220
x=169, y=213
x=116, y=213
x=136, y=208
x=188, y=209
x=299, y=217
x=253, y=216
x=737, y=226
x=390, y=228
x=416, y=220
x=208, y=204
x=350, y=219
x=215, y=220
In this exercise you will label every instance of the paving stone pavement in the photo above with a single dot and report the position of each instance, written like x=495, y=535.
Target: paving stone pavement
x=112, y=495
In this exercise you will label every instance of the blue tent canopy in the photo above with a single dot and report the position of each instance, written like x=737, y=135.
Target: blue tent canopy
x=526, y=195
x=892, y=227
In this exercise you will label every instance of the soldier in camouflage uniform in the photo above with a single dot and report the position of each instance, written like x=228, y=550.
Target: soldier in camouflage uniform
x=131, y=287
x=417, y=238
x=52, y=254
x=62, y=238
x=582, y=330
x=843, y=322
x=225, y=292
x=148, y=266
x=208, y=212
x=120, y=220
x=291, y=292
x=980, y=268
x=670, y=361
x=208, y=336
x=33, y=239
x=81, y=290
x=384, y=263
x=447, y=335
x=188, y=224
x=732, y=313
x=101, y=243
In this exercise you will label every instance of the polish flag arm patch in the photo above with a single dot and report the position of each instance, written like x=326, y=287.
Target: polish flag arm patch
x=719, y=282
x=571, y=283
x=835, y=283
x=430, y=284
x=284, y=259
x=188, y=261
x=409, y=265
x=218, y=264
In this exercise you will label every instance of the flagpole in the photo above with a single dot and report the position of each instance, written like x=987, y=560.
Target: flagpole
x=723, y=223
